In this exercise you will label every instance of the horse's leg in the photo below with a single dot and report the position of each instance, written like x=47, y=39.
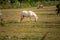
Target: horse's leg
x=30, y=18
x=35, y=19
x=21, y=18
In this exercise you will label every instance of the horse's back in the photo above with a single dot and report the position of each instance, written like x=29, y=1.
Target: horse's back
x=25, y=13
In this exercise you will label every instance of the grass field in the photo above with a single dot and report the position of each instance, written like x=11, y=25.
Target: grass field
x=46, y=28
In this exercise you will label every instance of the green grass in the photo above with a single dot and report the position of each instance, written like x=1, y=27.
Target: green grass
x=30, y=30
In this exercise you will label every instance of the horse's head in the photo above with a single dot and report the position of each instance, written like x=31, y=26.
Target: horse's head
x=36, y=17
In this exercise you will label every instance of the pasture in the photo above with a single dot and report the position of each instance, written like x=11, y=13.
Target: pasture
x=46, y=28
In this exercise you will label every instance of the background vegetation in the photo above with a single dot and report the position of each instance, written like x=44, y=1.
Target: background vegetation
x=25, y=3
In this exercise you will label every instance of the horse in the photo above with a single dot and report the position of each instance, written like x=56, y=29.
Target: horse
x=58, y=8
x=40, y=6
x=28, y=14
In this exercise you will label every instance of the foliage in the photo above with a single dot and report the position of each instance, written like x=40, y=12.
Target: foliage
x=23, y=3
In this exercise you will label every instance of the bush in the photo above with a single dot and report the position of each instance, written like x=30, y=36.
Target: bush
x=17, y=4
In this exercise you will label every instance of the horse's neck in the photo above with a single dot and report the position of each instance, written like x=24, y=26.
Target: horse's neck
x=34, y=15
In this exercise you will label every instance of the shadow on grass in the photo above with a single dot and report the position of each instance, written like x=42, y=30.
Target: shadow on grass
x=2, y=23
x=57, y=22
x=16, y=38
x=51, y=14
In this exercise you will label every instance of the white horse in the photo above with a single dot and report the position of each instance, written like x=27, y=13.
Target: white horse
x=28, y=14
